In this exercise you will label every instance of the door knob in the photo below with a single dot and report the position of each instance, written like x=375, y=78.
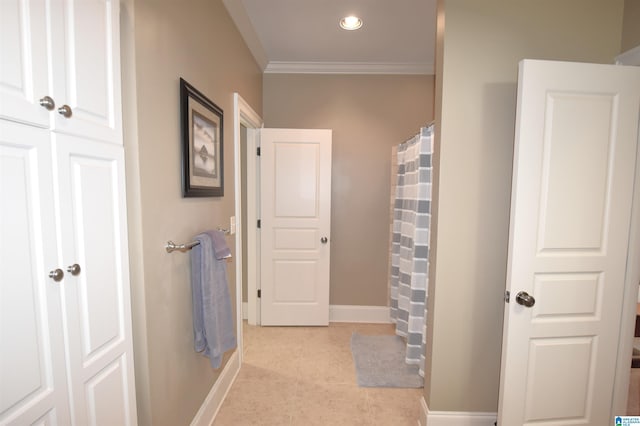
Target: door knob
x=47, y=103
x=324, y=240
x=74, y=269
x=65, y=111
x=525, y=299
x=56, y=275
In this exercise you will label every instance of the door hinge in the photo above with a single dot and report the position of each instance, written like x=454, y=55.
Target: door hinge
x=259, y=223
x=507, y=296
x=258, y=151
x=259, y=293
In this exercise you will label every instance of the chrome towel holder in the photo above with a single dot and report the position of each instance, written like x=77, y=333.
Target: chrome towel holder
x=170, y=247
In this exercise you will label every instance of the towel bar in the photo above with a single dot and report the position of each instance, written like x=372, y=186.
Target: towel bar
x=171, y=246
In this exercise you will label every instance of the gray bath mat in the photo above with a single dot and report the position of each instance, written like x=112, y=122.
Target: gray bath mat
x=380, y=363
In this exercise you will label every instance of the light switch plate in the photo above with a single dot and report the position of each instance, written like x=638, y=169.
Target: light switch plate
x=232, y=225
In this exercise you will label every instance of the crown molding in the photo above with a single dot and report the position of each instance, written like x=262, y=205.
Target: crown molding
x=243, y=24
x=282, y=67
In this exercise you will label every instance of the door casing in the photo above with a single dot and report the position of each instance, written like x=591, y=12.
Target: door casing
x=244, y=115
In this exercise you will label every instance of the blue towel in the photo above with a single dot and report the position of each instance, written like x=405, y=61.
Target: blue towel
x=212, y=314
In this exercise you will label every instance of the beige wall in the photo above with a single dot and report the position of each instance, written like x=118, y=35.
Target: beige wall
x=162, y=41
x=631, y=25
x=480, y=46
x=368, y=114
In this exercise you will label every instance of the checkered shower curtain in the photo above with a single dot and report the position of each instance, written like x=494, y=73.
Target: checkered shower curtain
x=410, y=244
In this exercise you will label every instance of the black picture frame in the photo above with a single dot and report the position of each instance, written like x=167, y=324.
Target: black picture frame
x=202, y=125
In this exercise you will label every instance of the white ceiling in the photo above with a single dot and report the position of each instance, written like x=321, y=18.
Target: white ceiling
x=398, y=36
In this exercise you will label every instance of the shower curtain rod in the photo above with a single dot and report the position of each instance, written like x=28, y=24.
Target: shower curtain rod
x=430, y=123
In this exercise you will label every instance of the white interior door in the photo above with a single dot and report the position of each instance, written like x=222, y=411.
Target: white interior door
x=295, y=194
x=573, y=187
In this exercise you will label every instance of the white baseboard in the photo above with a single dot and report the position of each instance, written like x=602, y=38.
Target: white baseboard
x=454, y=418
x=422, y=421
x=349, y=313
x=355, y=313
x=213, y=401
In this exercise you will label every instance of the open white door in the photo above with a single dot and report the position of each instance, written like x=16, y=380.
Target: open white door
x=573, y=187
x=295, y=199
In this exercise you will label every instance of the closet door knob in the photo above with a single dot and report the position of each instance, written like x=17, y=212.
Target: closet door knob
x=74, y=269
x=65, y=111
x=56, y=275
x=47, y=103
x=324, y=240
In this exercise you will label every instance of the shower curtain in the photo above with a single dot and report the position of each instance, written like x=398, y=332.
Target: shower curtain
x=410, y=244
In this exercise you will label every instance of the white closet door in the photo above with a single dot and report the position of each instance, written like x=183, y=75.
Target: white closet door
x=32, y=384
x=571, y=215
x=86, y=69
x=23, y=61
x=97, y=308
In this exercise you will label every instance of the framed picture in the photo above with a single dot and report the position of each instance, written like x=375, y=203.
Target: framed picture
x=202, y=130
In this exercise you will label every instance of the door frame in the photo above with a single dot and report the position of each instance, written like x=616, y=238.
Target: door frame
x=244, y=115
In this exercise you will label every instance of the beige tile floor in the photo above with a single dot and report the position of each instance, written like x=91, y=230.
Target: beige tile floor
x=305, y=376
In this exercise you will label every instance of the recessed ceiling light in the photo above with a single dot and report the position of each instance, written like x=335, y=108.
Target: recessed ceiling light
x=350, y=23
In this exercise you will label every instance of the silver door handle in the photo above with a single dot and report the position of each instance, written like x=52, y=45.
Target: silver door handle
x=47, y=103
x=324, y=240
x=65, y=111
x=57, y=275
x=525, y=299
x=74, y=269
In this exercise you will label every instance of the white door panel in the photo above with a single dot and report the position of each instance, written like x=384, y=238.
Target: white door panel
x=101, y=387
x=23, y=64
x=92, y=209
x=296, y=179
x=575, y=198
x=574, y=164
x=86, y=69
x=30, y=385
x=295, y=214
